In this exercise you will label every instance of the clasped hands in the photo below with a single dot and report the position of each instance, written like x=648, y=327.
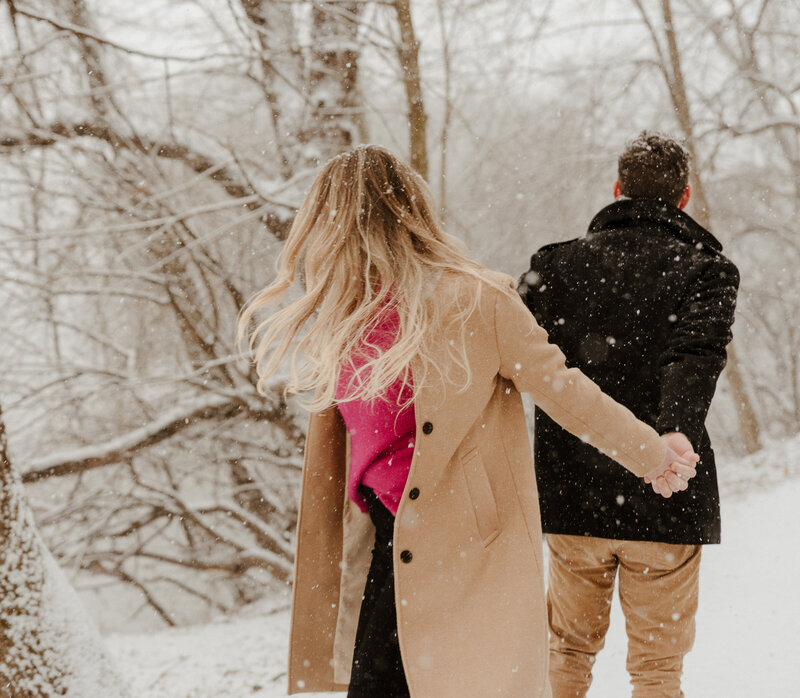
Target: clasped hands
x=677, y=468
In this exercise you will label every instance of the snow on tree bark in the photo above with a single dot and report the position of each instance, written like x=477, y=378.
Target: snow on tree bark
x=282, y=65
x=48, y=647
x=332, y=84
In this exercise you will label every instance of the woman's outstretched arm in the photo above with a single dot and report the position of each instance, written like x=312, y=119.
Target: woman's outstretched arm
x=568, y=397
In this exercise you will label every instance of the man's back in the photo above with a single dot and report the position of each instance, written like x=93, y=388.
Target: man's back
x=643, y=305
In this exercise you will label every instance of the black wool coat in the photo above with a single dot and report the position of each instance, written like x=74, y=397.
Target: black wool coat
x=643, y=304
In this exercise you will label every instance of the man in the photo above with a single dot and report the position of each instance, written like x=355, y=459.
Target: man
x=643, y=304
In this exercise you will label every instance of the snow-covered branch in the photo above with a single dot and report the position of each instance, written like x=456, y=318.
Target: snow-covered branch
x=87, y=33
x=767, y=125
x=79, y=460
x=200, y=163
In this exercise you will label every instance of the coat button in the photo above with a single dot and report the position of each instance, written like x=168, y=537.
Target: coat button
x=413, y=493
x=427, y=428
x=406, y=556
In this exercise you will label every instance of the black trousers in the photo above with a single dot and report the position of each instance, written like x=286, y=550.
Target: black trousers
x=377, y=664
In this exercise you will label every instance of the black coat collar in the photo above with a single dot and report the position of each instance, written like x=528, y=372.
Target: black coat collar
x=625, y=213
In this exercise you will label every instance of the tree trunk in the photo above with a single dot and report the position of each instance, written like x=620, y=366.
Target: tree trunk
x=748, y=423
x=408, y=52
x=281, y=70
x=332, y=85
x=48, y=647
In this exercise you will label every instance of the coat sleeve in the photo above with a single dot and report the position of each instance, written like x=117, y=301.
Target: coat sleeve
x=532, y=286
x=695, y=353
x=529, y=285
x=567, y=396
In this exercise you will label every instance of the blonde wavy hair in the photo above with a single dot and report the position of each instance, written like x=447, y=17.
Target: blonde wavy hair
x=368, y=236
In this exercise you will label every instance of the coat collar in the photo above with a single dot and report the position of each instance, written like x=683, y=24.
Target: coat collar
x=624, y=213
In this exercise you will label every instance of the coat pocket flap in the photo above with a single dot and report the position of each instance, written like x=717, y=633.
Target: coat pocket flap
x=483, y=501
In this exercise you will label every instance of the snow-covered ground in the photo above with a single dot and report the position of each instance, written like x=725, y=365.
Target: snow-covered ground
x=747, y=626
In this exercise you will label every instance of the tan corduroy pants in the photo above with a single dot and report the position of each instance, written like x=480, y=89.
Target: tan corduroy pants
x=658, y=585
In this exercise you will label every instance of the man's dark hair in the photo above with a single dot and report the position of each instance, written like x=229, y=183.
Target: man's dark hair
x=654, y=166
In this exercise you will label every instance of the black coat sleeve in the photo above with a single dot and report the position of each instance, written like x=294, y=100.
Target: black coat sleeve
x=695, y=353
x=529, y=287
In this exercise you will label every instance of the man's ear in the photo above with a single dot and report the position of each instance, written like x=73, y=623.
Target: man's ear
x=617, y=190
x=687, y=194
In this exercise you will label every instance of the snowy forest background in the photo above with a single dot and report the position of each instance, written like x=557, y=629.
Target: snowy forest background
x=152, y=155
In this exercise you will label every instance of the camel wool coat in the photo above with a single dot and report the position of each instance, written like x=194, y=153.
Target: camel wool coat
x=469, y=586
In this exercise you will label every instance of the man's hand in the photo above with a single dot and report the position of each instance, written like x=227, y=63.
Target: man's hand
x=677, y=467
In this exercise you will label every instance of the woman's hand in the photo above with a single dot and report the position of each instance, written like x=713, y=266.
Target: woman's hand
x=677, y=468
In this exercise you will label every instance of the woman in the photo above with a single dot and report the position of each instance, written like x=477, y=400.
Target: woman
x=415, y=356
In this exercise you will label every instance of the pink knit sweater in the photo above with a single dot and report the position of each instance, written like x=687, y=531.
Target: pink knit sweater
x=382, y=436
